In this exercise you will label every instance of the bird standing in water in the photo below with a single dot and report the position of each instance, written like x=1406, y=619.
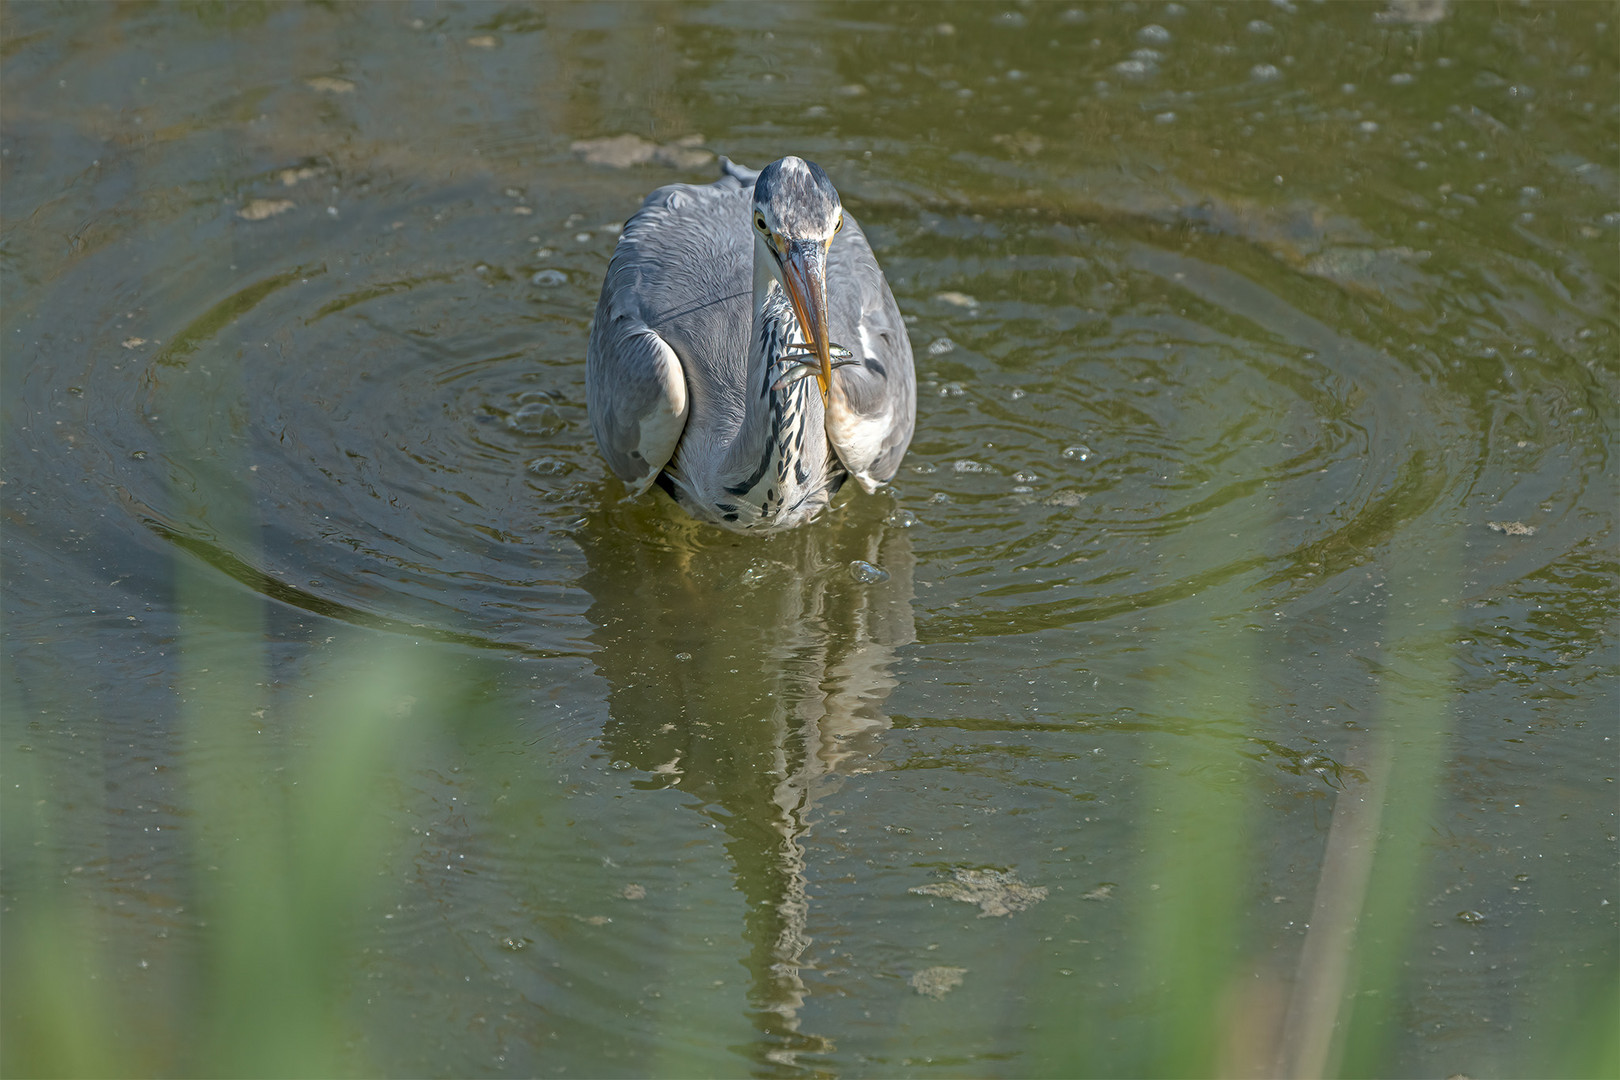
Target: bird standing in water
x=747, y=354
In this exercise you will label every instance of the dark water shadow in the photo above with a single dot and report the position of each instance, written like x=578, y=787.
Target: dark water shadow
x=751, y=673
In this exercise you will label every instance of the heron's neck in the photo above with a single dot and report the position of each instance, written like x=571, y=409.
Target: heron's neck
x=774, y=327
x=777, y=462
x=770, y=307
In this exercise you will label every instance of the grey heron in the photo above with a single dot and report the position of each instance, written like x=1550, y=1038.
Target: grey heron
x=725, y=309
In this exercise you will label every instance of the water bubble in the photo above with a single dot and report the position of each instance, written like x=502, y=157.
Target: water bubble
x=549, y=279
x=953, y=389
x=1134, y=69
x=1472, y=918
x=547, y=466
x=537, y=418
x=1153, y=34
x=1264, y=73
x=1078, y=452
x=138, y=455
x=867, y=574
x=1401, y=78
x=683, y=656
x=1025, y=477
x=1165, y=118
x=900, y=518
x=622, y=764
x=968, y=465
x=941, y=346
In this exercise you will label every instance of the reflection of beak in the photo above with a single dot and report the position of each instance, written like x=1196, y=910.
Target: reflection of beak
x=804, y=274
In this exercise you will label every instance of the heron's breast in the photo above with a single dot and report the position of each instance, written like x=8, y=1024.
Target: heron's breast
x=787, y=479
x=762, y=461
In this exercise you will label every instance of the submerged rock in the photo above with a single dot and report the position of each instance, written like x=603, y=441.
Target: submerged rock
x=936, y=982
x=259, y=209
x=623, y=151
x=1512, y=528
x=995, y=892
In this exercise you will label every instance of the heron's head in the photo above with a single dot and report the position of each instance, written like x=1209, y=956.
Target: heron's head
x=796, y=214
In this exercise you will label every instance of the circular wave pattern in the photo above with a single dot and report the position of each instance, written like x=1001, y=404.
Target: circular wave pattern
x=393, y=431
x=1164, y=427
x=394, y=448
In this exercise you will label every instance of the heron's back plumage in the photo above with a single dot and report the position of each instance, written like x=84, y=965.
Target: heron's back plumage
x=672, y=392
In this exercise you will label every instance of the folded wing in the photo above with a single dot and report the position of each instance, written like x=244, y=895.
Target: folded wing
x=873, y=405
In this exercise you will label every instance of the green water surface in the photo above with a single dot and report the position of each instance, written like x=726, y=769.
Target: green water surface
x=1240, y=698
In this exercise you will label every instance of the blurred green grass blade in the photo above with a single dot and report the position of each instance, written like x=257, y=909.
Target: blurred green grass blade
x=302, y=840
x=1194, y=877
x=57, y=1014
x=1416, y=690
x=290, y=843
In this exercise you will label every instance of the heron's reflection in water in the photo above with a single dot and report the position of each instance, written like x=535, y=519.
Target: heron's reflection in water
x=752, y=673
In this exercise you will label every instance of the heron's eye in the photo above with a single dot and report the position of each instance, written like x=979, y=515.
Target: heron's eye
x=759, y=223
x=840, y=224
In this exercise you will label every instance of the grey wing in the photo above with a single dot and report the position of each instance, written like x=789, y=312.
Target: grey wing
x=873, y=405
x=665, y=323
x=635, y=393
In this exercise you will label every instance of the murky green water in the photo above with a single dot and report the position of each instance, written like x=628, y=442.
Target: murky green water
x=1252, y=578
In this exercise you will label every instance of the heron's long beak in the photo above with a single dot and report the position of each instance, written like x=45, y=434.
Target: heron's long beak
x=804, y=273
